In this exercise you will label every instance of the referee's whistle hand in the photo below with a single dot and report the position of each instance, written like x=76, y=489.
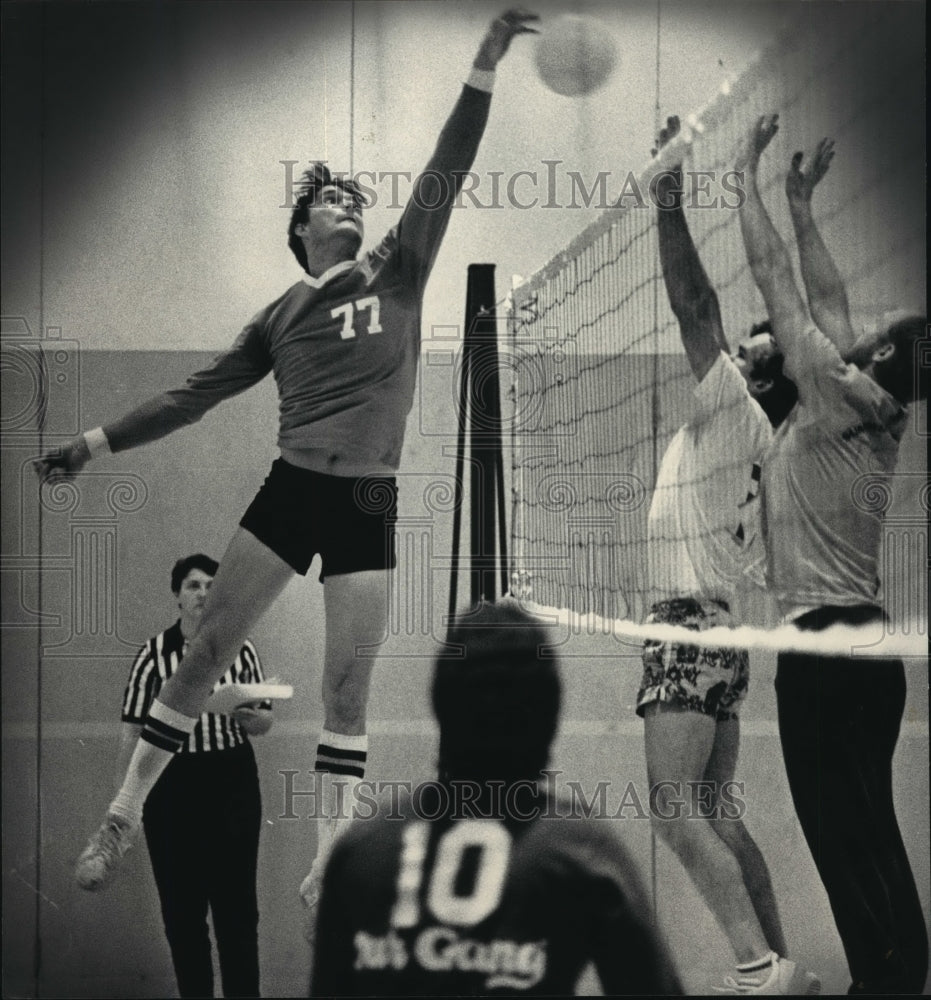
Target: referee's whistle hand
x=255, y=721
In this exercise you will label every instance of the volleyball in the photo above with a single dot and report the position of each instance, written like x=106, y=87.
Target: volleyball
x=575, y=55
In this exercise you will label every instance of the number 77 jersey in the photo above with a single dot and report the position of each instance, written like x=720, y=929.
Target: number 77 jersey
x=477, y=907
x=343, y=346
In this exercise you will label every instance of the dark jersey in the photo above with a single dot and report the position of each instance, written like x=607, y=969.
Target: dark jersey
x=475, y=908
x=344, y=348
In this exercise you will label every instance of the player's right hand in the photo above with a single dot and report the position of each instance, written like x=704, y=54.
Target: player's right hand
x=666, y=186
x=801, y=180
x=516, y=21
x=64, y=462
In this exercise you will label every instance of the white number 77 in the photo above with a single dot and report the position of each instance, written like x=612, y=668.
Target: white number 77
x=370, y=302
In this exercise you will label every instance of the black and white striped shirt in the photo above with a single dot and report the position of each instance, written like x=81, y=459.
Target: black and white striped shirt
x=158, y=660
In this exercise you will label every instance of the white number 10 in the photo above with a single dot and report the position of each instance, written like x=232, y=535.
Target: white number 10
x=492, y=842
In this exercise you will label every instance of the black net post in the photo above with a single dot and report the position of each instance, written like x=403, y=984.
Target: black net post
x=480, y=443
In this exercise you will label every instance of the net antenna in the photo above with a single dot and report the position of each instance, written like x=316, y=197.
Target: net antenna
x=479, y=441
x=352, y=87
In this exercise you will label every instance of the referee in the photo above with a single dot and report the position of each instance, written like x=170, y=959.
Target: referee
x=202, y=818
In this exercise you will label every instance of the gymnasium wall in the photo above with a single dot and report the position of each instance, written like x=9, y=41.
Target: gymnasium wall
x=107, y=547
x=135, y=246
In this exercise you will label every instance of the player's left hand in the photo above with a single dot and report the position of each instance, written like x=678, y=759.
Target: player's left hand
x=667, y=134
x=515, y=21
x=801, y=181
x=759, y=137
x=64, y=462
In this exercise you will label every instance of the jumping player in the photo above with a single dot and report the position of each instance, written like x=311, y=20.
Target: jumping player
x=839, y=716
x=478, y=884
x=343, y=344
x=703, y=544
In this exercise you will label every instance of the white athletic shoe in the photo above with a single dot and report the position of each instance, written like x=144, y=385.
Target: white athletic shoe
x=100, y=859
x=310, y=896
x=785, y=978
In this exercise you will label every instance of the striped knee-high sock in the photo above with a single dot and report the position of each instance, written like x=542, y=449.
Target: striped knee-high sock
x=163, y=734
x=340, y=766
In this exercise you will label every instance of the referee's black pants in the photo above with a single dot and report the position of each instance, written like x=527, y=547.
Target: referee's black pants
x=839, y=720
x=202, y=822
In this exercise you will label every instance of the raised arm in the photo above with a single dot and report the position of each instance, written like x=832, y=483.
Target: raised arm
x=232, y=372
x=766, y=253
x=827, y=296
x=691, y=295
x=437, y=187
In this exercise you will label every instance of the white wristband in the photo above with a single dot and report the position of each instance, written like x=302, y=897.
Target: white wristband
x=482, y=79
x=97, y=443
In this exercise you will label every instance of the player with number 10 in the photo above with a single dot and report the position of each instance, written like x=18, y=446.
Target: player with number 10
x=483, y=882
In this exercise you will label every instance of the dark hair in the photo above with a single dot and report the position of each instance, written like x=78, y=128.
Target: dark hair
x=904, y=375
x=764, y=326
x=779, y=400
x=184, y=566
x=309, y=187
x=771, y=368
x=496, y=696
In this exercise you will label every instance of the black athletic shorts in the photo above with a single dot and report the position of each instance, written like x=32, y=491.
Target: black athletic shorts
x=350, y=522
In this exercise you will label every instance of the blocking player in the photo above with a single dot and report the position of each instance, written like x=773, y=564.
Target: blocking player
x=343, y=343
x=477, y=884
x=703, y=546
x=839, y=716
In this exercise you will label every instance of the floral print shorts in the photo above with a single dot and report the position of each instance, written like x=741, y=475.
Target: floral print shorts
x=699, y=678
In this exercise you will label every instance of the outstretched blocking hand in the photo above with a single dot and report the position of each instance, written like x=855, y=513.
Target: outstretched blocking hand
x=759, y=137
x=666, y=185
x=64, y=462
x=667, y=134
x=497, y=40
x=801, y=182
x=824, y=286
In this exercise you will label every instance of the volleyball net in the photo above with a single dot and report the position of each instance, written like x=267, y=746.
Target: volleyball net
x=601, y=383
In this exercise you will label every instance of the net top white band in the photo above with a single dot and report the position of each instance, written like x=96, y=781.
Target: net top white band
x=875, y=640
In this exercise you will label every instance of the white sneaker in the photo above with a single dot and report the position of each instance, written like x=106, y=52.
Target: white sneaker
x=100, y=859
x=785, y=978
x=310, y=896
